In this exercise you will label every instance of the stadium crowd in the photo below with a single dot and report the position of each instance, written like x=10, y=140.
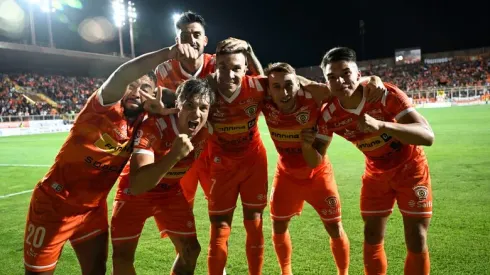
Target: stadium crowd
x=71, y=93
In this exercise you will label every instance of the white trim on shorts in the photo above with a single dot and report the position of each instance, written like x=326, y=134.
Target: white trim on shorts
x=377, y=211
x=285, y=217
x=87, y=235
x=415, y=213
x=40, y=267
x=221, y=211
x=177, y=232
x=331, y=219
x=126, y=238
x=253, y=204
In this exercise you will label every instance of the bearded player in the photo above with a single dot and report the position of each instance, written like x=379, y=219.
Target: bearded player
x=69, y=203
x=391, y=134
x=165, y=148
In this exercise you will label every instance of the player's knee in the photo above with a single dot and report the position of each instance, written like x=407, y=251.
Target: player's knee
x=122, y=256
x=373, y=234
x=252, y=214
x=416, y=239
x=335, y=230
x=280, y=227
x=191, y=250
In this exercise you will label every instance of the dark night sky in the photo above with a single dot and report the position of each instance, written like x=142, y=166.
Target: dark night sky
x=298, y=32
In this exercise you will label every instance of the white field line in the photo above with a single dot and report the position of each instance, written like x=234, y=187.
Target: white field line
x=23, y=165
x=15, y=194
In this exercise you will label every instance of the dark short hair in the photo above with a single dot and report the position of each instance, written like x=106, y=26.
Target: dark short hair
x=279, y=67
x=195, y=87
x=189, y=17
x=227, y=51
x=338, y=54
x=152, y=76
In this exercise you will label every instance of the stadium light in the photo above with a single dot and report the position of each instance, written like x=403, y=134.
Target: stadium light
x=132, y=19
x=119, y=20
x=46, y=6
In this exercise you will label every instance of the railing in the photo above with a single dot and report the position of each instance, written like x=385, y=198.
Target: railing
x=37, y=117
x=450, y=92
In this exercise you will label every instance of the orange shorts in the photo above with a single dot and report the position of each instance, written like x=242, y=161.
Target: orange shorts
x=289, y=194
x=199, y=172
x=408, y=184
x=51, y=222
x=170, y=209
x=230, y=177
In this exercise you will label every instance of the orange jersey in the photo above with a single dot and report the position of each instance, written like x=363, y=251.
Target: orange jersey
x=383, y=152
x=234, y=119
x=285, y=131
x=170, y=74
x=155, y=137
x=93, y=155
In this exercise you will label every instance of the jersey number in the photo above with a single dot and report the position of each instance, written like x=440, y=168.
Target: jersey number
x=36, y=234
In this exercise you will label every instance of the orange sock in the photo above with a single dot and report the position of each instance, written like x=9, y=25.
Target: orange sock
x=375, y=262
x=218, y=249
x=284, y=250
x=255, y=246
x=340, y=250
x=417, y=263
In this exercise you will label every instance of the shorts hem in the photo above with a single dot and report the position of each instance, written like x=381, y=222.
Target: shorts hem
x=44, y=268
x=377, y=213
x=332, y=220
x=125, y=239
x=284, y=218
x=406, y=213
x=254, y=205
x=165, y=233
x=218, y=212
x=89, y=236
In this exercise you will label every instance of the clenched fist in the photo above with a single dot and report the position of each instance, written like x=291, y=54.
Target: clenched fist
x=182, y=146
x=369, y=124
x=308, y=136
x=183, y=52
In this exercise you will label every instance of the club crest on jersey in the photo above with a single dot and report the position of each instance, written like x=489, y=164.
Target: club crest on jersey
x=303, y=117
x=421, y=192
x=251, y=110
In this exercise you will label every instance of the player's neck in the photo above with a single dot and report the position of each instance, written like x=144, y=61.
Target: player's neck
x=354, y=100
x=192, y=66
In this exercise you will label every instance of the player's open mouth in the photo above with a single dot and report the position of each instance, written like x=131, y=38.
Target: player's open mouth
x=193, y=125
x=286, y=99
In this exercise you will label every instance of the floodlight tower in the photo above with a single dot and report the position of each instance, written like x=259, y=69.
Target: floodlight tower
x=48, y=9
x=119, y=20
x=132, y=19
x=31, y=20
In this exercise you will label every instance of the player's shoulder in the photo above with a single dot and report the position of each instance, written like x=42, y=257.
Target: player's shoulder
x=330, y=110
x=165, y=68
x=258, y=83
x=393, y=93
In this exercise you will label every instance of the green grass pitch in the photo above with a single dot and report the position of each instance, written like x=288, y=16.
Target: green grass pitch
x=459, y=236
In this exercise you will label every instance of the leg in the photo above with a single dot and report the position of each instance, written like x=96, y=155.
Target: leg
x=91, y=241
x=123, y=257
x=49, y=225
x=218, y=243
x=377, y=200
x=282, y=245
x=92, y=254
x=188, y=249
x=323, y=195
x=417, y=261
x=252, y=219
x=253, y=192
x=375, y=261
x=414, y=197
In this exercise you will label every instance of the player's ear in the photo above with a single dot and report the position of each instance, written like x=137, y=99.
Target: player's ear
x=205, y=41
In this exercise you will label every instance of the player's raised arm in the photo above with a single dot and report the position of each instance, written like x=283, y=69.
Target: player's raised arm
x=233, y=44
x=145, y=173
x=410, y=127
x=114, y=87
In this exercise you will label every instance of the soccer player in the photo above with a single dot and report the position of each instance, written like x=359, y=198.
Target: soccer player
x=303, y=171
x=164, y=149
x=238, y=161
x=170, y=74
x=69, y=203
x=390, y=133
